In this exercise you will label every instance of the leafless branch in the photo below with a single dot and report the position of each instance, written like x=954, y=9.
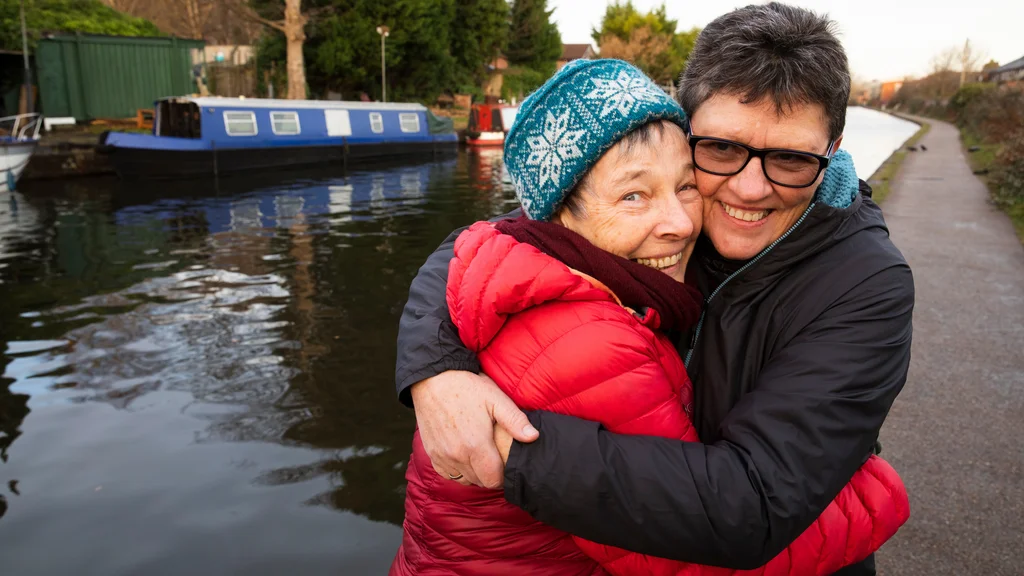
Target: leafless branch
x=247, y=13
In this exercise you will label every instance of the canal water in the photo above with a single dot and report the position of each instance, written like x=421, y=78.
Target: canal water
x=199, y=378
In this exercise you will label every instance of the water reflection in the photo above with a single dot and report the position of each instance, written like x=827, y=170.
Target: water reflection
x=187, y=360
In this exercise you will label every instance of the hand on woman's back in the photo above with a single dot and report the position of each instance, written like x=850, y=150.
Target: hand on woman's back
x=456, y=413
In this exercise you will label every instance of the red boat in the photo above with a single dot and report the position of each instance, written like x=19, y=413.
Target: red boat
x=488, y=124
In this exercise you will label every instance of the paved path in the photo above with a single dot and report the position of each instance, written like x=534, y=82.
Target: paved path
x=956, y=433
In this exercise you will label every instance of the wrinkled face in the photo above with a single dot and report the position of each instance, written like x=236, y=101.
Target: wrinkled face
x=744, y=213
x=641, y=203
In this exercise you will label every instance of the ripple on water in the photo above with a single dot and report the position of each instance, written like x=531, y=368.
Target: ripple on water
x=31, y=346
x=187, y=344
x=188, y=364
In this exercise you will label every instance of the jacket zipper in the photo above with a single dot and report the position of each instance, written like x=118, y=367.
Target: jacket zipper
x=707, y=301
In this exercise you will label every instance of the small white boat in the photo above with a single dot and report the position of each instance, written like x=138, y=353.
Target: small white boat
x=19, y=136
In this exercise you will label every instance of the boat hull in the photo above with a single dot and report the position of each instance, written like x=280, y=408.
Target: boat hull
x=14, y=157
x=486, y=139
x=136, y=163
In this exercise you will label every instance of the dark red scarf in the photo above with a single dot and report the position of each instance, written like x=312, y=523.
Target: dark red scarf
x=638, y=286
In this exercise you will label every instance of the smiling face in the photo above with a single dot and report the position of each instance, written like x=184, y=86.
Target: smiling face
x=745, y=213
x=640, y=201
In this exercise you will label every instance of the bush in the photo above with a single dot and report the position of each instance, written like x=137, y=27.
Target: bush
x=967, y=94
x=994, y=114
x=1009, y=173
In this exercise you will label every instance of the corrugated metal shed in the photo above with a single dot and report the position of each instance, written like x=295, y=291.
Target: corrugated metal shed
x=91, y=77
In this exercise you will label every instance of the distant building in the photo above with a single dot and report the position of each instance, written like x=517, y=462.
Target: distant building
x=572, y=52
x=495, y=78
x=225, y=70
x=865, y=93
x=237, y=55
x=1012, y=72
x=889, y=89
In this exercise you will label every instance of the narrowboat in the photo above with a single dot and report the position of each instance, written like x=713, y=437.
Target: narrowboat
x=488, y=124
x=213, y=136
x=19, y=136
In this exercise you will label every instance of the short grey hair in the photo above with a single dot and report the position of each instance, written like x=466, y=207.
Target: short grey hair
x=788, y=54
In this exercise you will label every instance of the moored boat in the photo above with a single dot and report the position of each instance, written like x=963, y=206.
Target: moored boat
x=488, y=124
x=19, y=136
x=200, y=136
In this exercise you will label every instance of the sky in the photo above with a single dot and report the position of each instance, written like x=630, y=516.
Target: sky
x=884, y=39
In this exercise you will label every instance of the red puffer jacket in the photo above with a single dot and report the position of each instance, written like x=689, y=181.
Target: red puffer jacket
x=556, y=340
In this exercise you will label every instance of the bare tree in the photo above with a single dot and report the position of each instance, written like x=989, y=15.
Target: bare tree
x=943, y=61
x=127, y=6
x=969, y=58
x=195, y=14
x=295, y=34
x=294, y=28
x=212, y=20
x=218, y=18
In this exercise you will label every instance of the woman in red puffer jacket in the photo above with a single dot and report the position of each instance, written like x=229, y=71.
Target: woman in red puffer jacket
x=563, y=343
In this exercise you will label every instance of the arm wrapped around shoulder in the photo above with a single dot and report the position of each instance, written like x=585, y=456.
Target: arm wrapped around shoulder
x=786, y=451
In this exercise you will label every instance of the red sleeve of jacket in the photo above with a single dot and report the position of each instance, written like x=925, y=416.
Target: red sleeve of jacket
x=867, y=512
x=552, y=341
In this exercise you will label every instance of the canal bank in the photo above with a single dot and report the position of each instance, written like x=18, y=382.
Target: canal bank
x=67, y=154
x=954, y=432
x=882, y=180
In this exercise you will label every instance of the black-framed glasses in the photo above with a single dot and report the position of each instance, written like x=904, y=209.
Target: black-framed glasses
x=789, y=168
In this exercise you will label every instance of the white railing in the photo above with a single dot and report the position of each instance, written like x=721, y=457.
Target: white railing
x=23, y=126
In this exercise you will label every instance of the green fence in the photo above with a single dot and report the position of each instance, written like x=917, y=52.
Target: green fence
x=91, y=77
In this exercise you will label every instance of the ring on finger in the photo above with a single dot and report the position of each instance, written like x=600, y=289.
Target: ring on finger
x=455, y=476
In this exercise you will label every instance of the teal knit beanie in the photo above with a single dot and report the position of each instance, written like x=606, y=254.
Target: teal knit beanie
x=564, y=127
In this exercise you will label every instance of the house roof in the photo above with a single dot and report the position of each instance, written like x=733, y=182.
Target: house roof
x=1015, y=65
x=575, y=51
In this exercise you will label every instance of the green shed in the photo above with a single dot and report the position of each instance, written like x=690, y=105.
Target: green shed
x=91, y=77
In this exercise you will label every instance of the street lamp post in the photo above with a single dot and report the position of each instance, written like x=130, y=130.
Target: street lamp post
x=384, y=32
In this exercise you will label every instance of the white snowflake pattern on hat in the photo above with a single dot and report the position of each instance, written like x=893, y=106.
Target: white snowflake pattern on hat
x=623, y=92
x=555, y=144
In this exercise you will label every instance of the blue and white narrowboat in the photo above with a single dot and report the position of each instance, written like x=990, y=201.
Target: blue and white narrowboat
x=200, y=136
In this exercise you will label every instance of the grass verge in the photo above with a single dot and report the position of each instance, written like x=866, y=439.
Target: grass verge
x=881, y=180
x=982, y=162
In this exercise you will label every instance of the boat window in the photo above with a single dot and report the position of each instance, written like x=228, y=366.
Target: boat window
x=240, y=123
x=409, y=122
x=284, y=123
x=376, y=122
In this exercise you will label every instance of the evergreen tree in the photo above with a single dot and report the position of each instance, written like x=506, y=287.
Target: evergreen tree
x=479, y=34
x=433, y=46
x=534, y=41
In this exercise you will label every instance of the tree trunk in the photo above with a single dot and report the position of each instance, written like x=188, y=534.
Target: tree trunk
x=295, y=34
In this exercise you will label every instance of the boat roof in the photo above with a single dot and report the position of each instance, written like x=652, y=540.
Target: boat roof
x=217, y=101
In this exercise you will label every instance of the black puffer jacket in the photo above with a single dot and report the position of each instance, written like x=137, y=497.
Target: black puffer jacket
x=798, y=359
